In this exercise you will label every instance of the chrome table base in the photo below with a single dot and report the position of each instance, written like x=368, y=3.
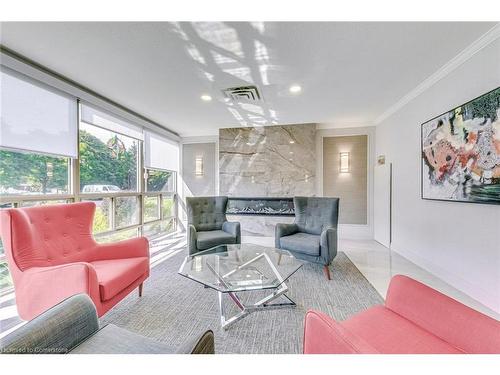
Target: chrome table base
x=263, y=304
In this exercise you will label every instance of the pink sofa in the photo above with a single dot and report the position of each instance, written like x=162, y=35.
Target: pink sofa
x=415, y=319
x=52, y=255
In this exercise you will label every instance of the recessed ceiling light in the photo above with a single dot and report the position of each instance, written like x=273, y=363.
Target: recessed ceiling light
x=295, y=89
x=206, y=98
x=291, y=142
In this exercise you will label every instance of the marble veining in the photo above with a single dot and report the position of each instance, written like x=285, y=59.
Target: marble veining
x=271, y=161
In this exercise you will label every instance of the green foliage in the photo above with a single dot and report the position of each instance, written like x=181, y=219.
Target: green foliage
x=167, y=207
x=127, y=212
x=157, y=180
x=102, y=165
x=40, y=172
x=101, y=220
x=151, y=211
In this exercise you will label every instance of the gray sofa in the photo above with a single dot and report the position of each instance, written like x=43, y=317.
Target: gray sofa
x=208, y=225
x=313, y=235
x=72, y=327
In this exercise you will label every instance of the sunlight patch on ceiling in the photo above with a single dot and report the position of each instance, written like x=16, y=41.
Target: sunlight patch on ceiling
x=195, y=54
x=220, y=35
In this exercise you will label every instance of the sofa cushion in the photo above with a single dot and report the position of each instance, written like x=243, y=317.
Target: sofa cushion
x=115, y=340
x=301, y=243
x=116, y=274
x=208, y=239
x=390, y=333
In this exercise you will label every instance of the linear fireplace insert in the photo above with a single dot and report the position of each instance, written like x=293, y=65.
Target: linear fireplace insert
x=272, y=206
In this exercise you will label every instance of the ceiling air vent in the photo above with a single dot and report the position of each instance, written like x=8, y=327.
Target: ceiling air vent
x=243, y=93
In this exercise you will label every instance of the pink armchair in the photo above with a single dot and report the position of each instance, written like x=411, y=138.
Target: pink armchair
x=52, y=255
x=416, y=319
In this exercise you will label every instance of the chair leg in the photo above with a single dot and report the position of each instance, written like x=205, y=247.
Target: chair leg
x=279, y=259
x=140, y=290
x=327, y=272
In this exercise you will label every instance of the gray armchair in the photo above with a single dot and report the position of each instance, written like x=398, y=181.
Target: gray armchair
x=207, y=224
x=313, y=235
x=72, y=327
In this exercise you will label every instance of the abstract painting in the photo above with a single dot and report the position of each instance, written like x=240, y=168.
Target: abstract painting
x=461, y=152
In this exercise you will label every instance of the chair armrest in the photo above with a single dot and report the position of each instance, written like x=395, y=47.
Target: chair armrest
x=131, y=248
x=57, y=330
x=323, y=335
x=233, y=228
x=328, y=241
x=191, y=240
x=204, y=344
x=43, y=287
x=282, y=230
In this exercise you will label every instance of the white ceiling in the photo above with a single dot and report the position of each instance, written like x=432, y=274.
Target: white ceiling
x=350, y=73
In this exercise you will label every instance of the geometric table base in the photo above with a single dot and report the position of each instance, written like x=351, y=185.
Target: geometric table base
x=263, y=304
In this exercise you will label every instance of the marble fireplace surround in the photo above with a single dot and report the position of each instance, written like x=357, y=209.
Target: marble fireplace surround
x=271, y=161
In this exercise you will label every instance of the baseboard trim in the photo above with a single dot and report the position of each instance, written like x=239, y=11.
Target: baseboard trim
x=474, y=291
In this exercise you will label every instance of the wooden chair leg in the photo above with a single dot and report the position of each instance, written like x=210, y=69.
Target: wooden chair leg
x=327, y=272
x=140, y=290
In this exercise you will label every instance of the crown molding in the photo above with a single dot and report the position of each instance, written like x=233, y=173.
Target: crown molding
x=473, y=48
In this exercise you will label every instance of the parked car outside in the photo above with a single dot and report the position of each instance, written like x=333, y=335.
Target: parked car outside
x=100, y=189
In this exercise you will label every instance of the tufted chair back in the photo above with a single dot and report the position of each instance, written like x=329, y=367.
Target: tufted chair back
x=206, y=213
x=313, y=214
x=48, y=235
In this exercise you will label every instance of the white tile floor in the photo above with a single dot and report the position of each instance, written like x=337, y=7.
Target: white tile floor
x=378, y=264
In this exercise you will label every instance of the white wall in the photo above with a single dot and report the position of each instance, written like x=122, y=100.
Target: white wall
x=457, y=242
x=183, y=189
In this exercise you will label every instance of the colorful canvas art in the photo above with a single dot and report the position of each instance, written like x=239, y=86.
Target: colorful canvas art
x=461, y=152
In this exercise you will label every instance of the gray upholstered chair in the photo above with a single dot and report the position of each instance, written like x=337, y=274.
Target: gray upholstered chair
x=313, y=235
x=72, y=327
x=208, y=226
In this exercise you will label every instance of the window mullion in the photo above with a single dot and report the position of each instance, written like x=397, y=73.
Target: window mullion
x=113, y=213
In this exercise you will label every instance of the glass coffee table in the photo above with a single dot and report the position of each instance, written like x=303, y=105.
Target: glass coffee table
x=231, y=269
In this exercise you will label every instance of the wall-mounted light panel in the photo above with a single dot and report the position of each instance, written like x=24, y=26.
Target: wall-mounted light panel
x=198, y=166
x=344, y=162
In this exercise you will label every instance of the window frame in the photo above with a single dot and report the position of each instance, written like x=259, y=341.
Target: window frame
x=139, y=163
x=141, y=192
x=74, y=194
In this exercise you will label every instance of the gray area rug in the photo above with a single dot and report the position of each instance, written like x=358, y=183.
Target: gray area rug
x=174, y=308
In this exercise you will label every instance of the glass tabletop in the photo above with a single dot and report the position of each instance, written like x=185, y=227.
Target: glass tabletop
x=236, y=268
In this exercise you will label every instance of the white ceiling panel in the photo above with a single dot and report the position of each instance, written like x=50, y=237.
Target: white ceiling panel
x=350, y=73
